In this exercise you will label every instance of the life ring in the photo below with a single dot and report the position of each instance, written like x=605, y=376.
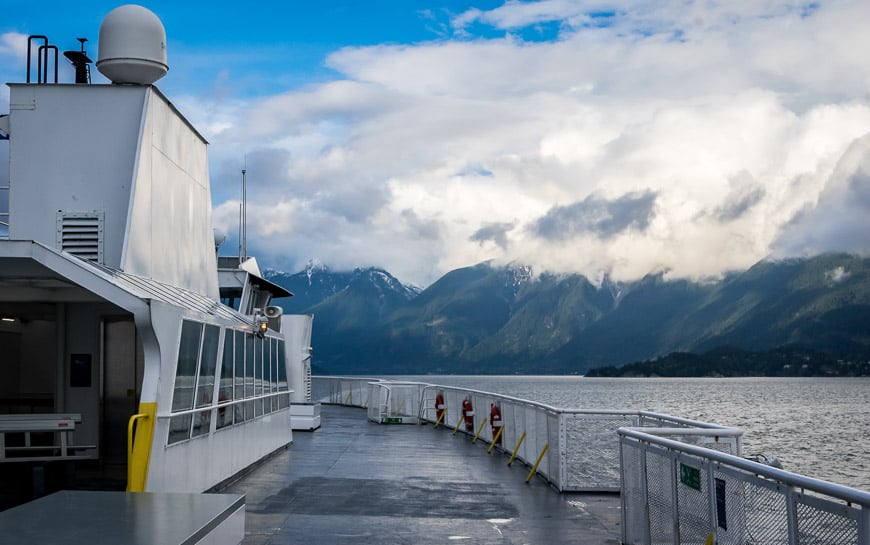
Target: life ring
x=439, y=406
x=468, y=414
x=495, y=421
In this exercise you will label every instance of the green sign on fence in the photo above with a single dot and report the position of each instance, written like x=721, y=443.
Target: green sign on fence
x=690, y=476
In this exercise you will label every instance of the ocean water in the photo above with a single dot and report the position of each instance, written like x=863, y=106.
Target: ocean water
x=818, y=427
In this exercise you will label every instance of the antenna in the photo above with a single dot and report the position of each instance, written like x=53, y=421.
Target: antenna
x=243, y=247
x=80, y=61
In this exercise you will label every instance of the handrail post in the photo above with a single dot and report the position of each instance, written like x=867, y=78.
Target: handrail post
x=131, y=424
x=538, y=462
x=458, y=423
x=479, y=429
x=495, y=439
x=517, y=448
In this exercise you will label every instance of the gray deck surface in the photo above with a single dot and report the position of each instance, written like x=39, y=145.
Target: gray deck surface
x=353, y=481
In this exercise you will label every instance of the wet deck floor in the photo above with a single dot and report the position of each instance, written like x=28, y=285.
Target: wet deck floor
x=353, y=481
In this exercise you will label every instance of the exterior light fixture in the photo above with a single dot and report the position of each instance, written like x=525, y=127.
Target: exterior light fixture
x=261, y=324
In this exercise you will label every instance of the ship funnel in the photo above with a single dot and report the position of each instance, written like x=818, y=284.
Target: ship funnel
x=132, y=46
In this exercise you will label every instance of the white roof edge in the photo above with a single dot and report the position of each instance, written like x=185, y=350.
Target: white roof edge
x=76, y=271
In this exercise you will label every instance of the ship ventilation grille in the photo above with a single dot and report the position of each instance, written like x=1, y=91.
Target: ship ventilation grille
x=81, y=234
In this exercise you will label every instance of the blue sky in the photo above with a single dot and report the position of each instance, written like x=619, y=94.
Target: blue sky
x=593, y=136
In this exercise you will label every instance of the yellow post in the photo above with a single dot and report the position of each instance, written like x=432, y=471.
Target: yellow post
x=138, y=453
x=347, y=399
x=709, y=540
x=458, y=423
x=495, y=439
x=440, y=417
x=538, y=462
x=479, y=429
x=517, y=448
x=366, y=404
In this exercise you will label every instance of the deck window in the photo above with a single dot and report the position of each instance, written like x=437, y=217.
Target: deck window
x=205, y=382
x=185, y=377
x=225, y=388
x=251, y=370
x=249, y=376
x=269, y=372
x=258, y=376
x=239, y=376
x=283, y=401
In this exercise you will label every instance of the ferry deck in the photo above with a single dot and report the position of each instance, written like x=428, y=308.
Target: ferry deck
x=354, y=481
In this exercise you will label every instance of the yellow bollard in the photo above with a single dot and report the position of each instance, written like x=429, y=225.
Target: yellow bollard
x=347, y=399
x=517, y=449
x=479, y=429
x=440, y=418
x=538, y=462
x=709, y=540
x=495, y=439
x=458, y=423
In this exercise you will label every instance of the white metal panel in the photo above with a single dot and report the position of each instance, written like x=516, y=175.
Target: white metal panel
x=73, y=149
x=123, y=150
x=202, y=462
x=297, y=337
x=170, y=235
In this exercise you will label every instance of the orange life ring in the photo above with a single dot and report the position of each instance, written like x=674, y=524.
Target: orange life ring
x=439, y=406
x=468, y=414
x=495, y=420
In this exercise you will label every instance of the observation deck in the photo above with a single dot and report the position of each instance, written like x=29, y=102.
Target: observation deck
x=354, y=481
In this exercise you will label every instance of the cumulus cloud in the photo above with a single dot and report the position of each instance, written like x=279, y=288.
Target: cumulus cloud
x=837, y=219
x=692, y=137
x=14, y=45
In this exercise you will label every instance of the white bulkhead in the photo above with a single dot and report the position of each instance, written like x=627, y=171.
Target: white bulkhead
x=122, y=157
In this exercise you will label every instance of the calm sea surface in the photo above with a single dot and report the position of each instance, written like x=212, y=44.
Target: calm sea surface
x=819, y=427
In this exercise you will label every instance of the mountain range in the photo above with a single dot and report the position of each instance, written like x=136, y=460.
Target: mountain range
x=505, y=319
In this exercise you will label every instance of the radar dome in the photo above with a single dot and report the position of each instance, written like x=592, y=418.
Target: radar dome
x=132, y=46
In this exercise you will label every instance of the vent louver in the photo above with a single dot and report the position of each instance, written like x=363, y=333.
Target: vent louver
x=81, y=234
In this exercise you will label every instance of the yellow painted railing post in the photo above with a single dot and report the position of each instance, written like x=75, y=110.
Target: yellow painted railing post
x=495, y=439
x=517, y=448
x=709, y=540
x=538, y=462
x=440, y=418
x=458, y=423
x=479, y=429
x=139, y=453
x=347, y=399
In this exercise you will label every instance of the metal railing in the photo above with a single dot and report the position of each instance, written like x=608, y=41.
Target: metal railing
x=350, y=391
x=681, y=481
x=580, y=447
x=674, y=492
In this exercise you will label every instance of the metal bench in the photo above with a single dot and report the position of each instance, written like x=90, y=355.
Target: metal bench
x=61, y=425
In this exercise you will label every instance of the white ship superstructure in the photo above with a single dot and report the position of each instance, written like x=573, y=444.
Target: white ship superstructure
x=112, y=325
